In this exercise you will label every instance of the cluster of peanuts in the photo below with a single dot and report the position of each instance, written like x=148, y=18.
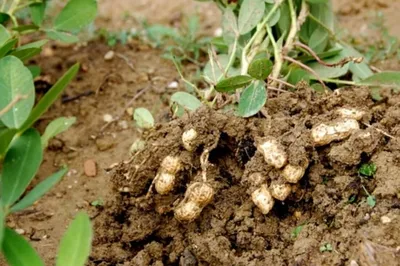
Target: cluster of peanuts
x=199, y=194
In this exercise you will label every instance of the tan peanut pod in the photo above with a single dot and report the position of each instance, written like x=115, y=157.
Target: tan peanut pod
x=293, y=173
x=199, y=192
x=164, y=182
x=263, y=199
x=273, y=152
x=324, y=134
x=188, y=137
x=187, y=211
x=352, y=113
x=171, y=165
x=280, y=191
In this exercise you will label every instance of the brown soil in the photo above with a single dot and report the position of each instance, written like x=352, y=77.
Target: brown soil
x=230, y=230
x=135, y=230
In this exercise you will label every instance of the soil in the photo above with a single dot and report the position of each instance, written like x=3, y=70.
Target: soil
x=131, y=229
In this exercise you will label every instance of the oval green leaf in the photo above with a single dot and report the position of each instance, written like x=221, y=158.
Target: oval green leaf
x=18, y=251
x=297, y=75
x=143, y=118
x=260, y=68
x=37, y=192
x=185, y=100
x=76, y=15
x=252, y=99
x=250, y=14
x=37, y=12
x=275, y=17
x=329, y=72
x=4, y=35
x=26, y=54
x=7, y=46
x=20, y=165
x=49, y=98
x=229, y=21
x=319, y=40
x=6, y=136
x=56, y=127
x=15, y=80
x=360, y=70
x=233, y=83
x=76, y=243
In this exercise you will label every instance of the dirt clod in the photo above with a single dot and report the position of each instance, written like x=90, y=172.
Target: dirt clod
x=90, y=168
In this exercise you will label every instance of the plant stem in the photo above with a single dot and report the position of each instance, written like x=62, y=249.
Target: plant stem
x=185, y=80
x=293, y=28
x=232, y=57
x=338, y=81
x=245, y=63
x=277, y=56
x=3, y=6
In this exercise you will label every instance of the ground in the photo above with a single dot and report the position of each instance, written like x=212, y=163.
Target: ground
x=129, y=233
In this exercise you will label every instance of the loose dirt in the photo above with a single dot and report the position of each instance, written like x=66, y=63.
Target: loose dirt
x=131, y=230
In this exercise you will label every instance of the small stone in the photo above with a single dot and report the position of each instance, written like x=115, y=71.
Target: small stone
x=72, y=172
x=123, y=124
x=69, y=187
x=129, y=111
x=45, y=237
x=59, y=195
x=90, y=168
x=385, y=219
x=109, y=55
x=20, y=231
x=353, y=263
x=105, y=143
x=218, y=32
x=173, y=85
x=108, y=118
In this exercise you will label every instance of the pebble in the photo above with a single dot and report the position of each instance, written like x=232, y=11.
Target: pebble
x=108, y=118
x=90, y=168
x=353, y=263
x=105, y=143
x=173, y=85
x=109, y=55
x=129, y=111
x=385, y=219
x=72, y=172
x=123, y=124
x=20, y=231
x=218, y=32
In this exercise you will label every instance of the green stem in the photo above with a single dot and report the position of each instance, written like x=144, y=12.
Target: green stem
x=185, y=80
x=337, y=81
x=245, y=63
x=277, y=55
x=293, y=28
x=231, y=58
x=3, y=6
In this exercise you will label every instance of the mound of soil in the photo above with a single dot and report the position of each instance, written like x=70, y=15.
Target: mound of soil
x=325, y=221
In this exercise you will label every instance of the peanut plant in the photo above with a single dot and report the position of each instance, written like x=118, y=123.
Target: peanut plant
x=21, y=146
x=273, y=45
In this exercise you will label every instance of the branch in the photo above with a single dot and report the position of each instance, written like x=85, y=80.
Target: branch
x=293, y=28
x=277, y=55
x=312, y=71
x=12, y=104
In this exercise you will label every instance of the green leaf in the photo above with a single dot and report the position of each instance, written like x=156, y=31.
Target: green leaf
x=284, y=22
x=37, y=12
x=317, y=1
x=260, y=68
x=383, y=79
x=15, y=79
x=18, y=251
x=296, y=231
x=330, y=53
x=6, y=136
x=76, y=15
x=297, y=75
x=76, y=243
x=233, y=83
x=324, y=14
x=275, y=17
x=143, y=118
x=371, y=201
x=61, y=36
x=7, y=47
x=56, y=127
x=35, y=70
x=250, y=14
x=20, y=165
x=37, y=44
x=4, y=35
x=252, y=99
x=326, y=247
x=229, y=22
x=367, y=169
x=49, y=98
x=185, y=100
x=26, y=54
x=361, y=70
x=2, y=224
x=38, y=191
x=157, y=33
x=319, y=40
x=4, y=17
